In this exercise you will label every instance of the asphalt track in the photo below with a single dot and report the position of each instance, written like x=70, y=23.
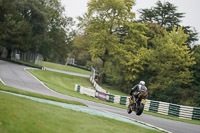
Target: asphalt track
x=16, y=76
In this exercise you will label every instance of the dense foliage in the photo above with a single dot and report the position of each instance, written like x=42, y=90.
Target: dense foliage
x=35, y=25
x=166, y=15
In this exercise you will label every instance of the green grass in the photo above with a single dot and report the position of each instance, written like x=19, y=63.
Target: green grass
x=65, y=84
x=65, y=68
x=14, y=90
x=112, y=90
x=21, y=115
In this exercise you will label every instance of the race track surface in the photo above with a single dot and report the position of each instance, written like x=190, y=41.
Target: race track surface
x=16, y=76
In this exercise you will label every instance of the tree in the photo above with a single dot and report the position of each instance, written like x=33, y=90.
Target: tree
x=15, y=31
x=36, y=25
x=196, y=72
x=171, y=62
x=196, y=67
x=59, y=33
x=33, y=12
x=153, y=31
x=112, y=31
x=81, y=49
x=166, y=15
x=193, y=35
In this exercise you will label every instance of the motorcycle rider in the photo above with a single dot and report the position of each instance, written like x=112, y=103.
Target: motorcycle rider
x=135, y=91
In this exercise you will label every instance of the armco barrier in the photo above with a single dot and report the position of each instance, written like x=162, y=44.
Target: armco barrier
x=111, y=98
x=100, y=89
x=154, y=106
x=123, y=100
x=117, y=99
x=77, y=88
x=94, y=84
x=184, y=112
x=91, y=78
x=102, y=96
x=146, y=107
x=163, y=108
x=174, y=110
x=196, y=114
x=84, y=90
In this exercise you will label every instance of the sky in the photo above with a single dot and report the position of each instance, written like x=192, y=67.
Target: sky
x=75, y=8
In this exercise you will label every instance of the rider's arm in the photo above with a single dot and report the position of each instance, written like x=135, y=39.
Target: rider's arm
x=133, y=89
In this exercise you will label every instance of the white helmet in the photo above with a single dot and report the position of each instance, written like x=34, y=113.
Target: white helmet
x=142, y=83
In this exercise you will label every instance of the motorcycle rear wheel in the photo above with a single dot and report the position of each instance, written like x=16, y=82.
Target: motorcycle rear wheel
x=139, y=108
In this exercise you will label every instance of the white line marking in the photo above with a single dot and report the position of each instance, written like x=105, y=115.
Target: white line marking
x=39, y=80
x=2, y=81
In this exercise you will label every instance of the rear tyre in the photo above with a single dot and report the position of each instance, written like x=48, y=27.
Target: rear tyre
x=139, y=108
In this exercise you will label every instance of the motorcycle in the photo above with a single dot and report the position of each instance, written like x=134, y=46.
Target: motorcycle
x=138, y=105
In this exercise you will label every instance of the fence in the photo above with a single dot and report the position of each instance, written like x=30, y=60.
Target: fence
x=24, y=56
x=71, y=61
x=84, y=90
x=184, y=112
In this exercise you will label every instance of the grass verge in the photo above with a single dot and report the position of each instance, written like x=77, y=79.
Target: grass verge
x=21, y=115
x=112, y=90
x=65, y=84
x=14, y=90
x=65, y=68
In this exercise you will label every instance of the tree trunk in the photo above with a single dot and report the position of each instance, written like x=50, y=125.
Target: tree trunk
x=102, y=75
x=101, y=80
x=9, y=53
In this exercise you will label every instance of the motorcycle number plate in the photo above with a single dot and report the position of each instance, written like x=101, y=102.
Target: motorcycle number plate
x=144, y=101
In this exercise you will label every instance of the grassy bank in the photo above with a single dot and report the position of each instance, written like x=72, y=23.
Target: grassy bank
x=21, y=115
x=112, y=90
x=65, y=68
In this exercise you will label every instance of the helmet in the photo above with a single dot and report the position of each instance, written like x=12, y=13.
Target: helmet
x=142, y=83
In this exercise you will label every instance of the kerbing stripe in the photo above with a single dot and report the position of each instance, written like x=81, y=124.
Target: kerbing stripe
x=2, y=81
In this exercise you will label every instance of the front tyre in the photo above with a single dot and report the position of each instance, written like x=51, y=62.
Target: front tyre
x=139, y=108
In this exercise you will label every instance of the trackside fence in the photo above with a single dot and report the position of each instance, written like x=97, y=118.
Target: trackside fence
x=29, y=56
x=184, y=112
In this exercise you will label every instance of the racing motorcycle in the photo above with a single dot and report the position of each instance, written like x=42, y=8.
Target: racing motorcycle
x=138, y=105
